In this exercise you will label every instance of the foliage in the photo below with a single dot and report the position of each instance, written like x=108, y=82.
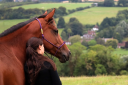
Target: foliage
x=75, y=55
x=109, y=3
x=92, y=43
x=97, y=47
x=123, y=3
x=21, y=13
x=112, y=43
x=100, y=69
x=85, y=43
x=77, y=28
x=107, y=22
x=61, y=11
x=74, y=39
x=123, y=72
x=74, y=0
x=61, y=23
x=74, y=27
x=64, y=35
x=100, y=41
x=126, y=45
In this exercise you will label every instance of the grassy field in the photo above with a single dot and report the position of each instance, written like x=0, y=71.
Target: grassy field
x=125, y=39
x=5, y=24
x=88, y=16
x=95, y=14
x=54, y=5
x=121, y=52
x=98, y=80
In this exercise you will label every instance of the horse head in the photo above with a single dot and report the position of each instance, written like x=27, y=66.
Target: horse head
x=51, y=39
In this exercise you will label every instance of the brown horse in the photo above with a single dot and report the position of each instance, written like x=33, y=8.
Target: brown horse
x=13, y=44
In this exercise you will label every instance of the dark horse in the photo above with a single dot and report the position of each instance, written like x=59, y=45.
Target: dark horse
x=13, y=44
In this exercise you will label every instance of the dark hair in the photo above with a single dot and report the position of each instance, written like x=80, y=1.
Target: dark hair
x=34, y=60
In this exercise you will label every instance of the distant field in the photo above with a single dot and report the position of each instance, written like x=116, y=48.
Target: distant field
x=98, y=80
x=95, y=14
x=54, y=5
x=125, y=39
x=88, y=16
x=121, y=52
x=5, y=24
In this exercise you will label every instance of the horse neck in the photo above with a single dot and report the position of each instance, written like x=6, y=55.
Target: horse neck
x=16, y=41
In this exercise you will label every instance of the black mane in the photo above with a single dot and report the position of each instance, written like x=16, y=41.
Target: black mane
x=18, y=26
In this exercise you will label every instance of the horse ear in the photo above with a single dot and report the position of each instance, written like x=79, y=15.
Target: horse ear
x=45, y=13
x=50, y=15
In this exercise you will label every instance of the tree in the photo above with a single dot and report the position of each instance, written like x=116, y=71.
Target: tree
x=74, y=39
x=112, y=43
x=97, y=47
x=76, y=50
x=121, y=30
x=74, y=0
x=64, y=35
x=100, y=41
x=61, y=23
x=85, y=43
x=118, y=37
x=107, y=22
x=123, y=3
x=73, y=19
x=77, y=28
x=109, y=3
x=100, y=69
x=63, y=10
x=126, y=45
x=92, y=43
x=7, y=0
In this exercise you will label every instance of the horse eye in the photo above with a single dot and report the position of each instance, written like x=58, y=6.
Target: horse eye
x=56, y=31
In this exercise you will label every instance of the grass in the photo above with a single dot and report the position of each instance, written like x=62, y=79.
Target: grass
x=5, y=24
x=125, y=39
x=95, y=14
x=97, y=80
x=121, y=52
x=54, y=5
x=87, y=16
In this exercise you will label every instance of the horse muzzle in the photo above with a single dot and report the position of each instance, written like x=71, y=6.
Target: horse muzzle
x=65, y=57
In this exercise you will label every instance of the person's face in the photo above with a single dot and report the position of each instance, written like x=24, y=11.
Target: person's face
x=41, y=49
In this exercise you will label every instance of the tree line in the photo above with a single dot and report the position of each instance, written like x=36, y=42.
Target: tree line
x=116, y=27
x=21, y=13
x=97, y=60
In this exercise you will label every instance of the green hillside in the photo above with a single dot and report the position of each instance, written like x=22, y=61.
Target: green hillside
x=95, y=14
x=54, y=5
x=87, y=16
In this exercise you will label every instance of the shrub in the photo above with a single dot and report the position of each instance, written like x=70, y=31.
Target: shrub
x=100, y=70
x=123, y=72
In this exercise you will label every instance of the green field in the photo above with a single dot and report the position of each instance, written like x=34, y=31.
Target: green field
x=54, y=5
x=88, y=16
x=5, y=24
x=120, y=52
x=95, y=14
x=98, y=80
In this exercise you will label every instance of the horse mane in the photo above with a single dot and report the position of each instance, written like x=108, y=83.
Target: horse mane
x=18, y=26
